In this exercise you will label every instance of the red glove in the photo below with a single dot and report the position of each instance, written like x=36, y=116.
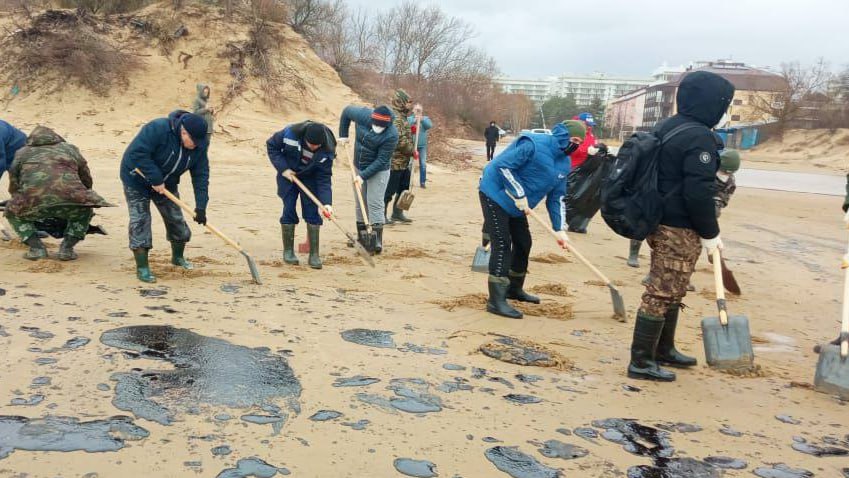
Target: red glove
x=413, y=129
x=416, y=155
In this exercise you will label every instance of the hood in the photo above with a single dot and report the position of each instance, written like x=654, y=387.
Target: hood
x=705, y=97
x=200, y=87
x=174, y=120
x=561, y=135
x=43, y=136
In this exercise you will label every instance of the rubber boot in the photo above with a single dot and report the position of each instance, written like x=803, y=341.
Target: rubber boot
x=386, y=217
x=516, y=290
x=36, y=249
x=643, y=366
x=361, y=228
x=142, y=266
x=66, y=249
x=177, y=257
x=497, y=303
x=378, y=233
x=667, y=354
x=634, y=256
x=398, y=215
x=312, y=236
x=289, y=256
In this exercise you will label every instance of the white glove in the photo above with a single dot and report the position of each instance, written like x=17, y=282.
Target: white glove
x=592, y=150
x=563, y=239
x=712, y=244
x=846, y=219
x=521, y=203
x=288, y=174
x=358, y=180
x=328, y=211
x=343, y=140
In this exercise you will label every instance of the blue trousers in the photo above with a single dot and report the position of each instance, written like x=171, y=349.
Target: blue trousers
x=422, y=165
x=309, y=210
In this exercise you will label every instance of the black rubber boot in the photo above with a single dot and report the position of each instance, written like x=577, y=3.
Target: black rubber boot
x=516, y=290
x=497, y=303
x=643, y=366
x=378, y=237
x=312, y=236
x=361, y=228
x=36, y=249
x=142, y=266
x=398, y=215
x=666, y=352
x=178, y=258
x=289, y=256
x=66, y=249
x=634, y=255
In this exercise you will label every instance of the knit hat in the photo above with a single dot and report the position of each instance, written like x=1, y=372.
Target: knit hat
x=381, y=116
x=196, y=127
x=586, y=118
x=576, y=128
x=729, y=160
x=314, y=134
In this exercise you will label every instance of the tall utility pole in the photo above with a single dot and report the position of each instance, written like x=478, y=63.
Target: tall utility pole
x=543, y=117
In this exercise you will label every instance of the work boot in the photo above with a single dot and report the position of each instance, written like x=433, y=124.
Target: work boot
x=643, y=366
x=36, y=249
x=378, y=237
x=312, y=236
x=386, y=218
x=666, y=352
x=289, y=256
x=66, y=249
x=398, y=215
x=177, y=258
x=142, y=266
x=634, y=256
x=516, y=290
x=360, y=228
x=497, y=303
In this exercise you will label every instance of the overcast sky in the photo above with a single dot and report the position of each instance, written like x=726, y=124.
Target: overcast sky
x=535, y=38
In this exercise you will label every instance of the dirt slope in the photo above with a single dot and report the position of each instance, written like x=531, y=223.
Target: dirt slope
x=815, y=151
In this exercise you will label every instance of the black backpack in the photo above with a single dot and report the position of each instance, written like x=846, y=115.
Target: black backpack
x=630, y=201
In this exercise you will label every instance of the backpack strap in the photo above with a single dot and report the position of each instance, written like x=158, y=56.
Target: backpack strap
x=671, y=134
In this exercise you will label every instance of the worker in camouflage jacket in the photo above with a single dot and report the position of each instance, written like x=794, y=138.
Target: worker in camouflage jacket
x=50, y=180
x=400, y=171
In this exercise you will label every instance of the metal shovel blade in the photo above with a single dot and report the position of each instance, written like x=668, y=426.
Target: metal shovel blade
x=405, y=201
x=618, y=304
x=480, y=263
x=832, y=375
x=252, y=267
x=728, y=347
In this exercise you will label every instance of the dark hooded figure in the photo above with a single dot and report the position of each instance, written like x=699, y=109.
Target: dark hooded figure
x=687, y=168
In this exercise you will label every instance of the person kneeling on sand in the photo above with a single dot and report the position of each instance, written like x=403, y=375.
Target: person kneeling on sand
x=533, y=167
x=50, y=181
x=306, y=151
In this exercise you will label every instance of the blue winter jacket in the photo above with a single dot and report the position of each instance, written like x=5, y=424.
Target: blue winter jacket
x=372, y=151
x=159, y=153
x=535, y=167
x=288, y=150
x=426, y=125
x=11, y=140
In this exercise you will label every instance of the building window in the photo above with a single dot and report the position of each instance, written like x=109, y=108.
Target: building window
x=735, y=117
x=738, y=102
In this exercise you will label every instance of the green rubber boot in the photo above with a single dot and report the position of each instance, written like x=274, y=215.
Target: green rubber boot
x=177, y=258
x=66, y=249
x=36, y=249
x=142, y=266
x=312, y=236
x=289, y=256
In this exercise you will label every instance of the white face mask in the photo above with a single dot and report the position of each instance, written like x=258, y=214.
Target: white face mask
x=722, y=176
x=378, y=129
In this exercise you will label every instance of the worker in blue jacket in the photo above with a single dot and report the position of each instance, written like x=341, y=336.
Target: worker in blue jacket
x=11, y=140
x=304, y=150
x=534, y=167
x=163, y=150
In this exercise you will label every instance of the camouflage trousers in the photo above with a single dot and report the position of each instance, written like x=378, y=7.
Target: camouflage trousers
x=77, y=217
x=674, y=252
x=140, y=229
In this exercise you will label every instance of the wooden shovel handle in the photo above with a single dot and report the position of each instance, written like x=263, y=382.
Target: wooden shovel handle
x=720, y=287
x=188, y=209
x=844, y=326
x=358, y=188
x=312, y=197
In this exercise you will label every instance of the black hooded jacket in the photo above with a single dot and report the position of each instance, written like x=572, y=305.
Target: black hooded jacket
x=691, y=158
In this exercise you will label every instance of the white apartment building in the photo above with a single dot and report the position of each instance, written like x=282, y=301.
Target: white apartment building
x=537, y=90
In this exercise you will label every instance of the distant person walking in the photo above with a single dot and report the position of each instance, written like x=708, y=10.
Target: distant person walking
x=417, y=118
x=491, y=136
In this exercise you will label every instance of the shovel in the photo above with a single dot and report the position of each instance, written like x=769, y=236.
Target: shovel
x=209, y=227
x=357, y=246
x=405, y=200
x=832, y=375
x=618, y=303
x=728, y=279
x=480, y=263
x=372, y=238
x=727, y=340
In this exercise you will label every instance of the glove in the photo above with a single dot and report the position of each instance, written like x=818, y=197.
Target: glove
x=413, y=129
x=416, y=155
x=327, y=211
x=563, y=239
x=712, y=244
x=602, y=148
x=521, y=203
x=358, y=180
x=592, y=151
x=288, y=174
x=200, y=216
x=846, y=219
x=343, y=140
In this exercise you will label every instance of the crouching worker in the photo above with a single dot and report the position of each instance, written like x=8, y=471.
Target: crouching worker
x=305, y=150
x=533, y=167
x=163, y=150
x=50, y=181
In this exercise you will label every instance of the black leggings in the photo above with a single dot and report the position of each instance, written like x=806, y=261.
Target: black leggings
x=399, y=181
x=510, y=239
x=490, y=151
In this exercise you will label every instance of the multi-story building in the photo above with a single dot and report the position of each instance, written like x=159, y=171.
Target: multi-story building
x=537, y=90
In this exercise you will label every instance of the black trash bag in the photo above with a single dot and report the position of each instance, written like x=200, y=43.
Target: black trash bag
x=55, y=227
x=583, y=195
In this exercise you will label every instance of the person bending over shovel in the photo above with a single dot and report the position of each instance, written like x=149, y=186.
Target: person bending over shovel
x=533, y=167
x=305, y=150
x=163, y=150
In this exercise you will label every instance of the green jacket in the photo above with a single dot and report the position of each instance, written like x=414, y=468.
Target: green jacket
x=404, y=150
x=46, y=173
x=199, y=107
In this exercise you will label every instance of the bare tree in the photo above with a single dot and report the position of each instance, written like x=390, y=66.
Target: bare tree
x=789, y=104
